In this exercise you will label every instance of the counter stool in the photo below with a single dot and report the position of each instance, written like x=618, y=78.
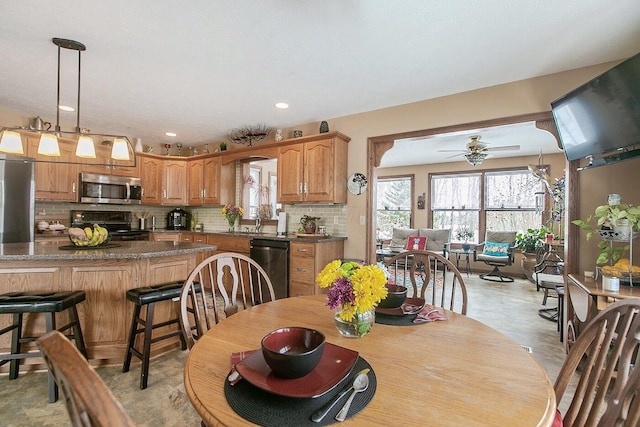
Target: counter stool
x=49, y=303
x=148, y=297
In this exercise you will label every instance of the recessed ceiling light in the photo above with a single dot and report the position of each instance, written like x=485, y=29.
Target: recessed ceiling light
x=66, y=108
x=170, y=133
x=282, y=105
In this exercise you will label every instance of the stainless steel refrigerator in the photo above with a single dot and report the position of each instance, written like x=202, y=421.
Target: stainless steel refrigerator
x=17, y=199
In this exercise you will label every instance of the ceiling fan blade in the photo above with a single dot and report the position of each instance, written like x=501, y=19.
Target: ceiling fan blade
x=455, y=155
x=452, y=151
x=504, y=148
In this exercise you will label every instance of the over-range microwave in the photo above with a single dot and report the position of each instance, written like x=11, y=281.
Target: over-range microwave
x=107, y=189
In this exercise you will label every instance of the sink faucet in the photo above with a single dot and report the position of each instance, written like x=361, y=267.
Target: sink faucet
x=258, y=225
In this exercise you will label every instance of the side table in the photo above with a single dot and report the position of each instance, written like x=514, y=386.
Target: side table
x=467, y=253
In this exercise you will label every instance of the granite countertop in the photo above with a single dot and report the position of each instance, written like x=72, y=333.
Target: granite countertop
x=114, y=250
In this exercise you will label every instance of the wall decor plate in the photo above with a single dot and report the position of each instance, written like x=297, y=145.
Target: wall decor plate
x=357, y=183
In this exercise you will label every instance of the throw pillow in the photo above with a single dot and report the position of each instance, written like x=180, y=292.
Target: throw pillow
x=496, y=249
x=418, y=243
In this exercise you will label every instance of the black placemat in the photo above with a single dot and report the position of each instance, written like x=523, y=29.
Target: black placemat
x=267, y=409
x=389, y=319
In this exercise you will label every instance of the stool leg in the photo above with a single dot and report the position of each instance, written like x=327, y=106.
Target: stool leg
x=146, y=350
x=16, y=336
x=77, y=331
x=132, y=338
x=53, y=387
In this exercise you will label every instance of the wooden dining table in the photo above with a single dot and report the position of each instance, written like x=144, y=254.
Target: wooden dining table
x=457, y=372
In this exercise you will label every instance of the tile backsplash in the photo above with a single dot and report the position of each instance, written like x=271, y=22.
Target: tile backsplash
x=333, y=217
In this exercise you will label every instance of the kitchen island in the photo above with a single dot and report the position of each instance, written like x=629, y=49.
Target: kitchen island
x=105, y=275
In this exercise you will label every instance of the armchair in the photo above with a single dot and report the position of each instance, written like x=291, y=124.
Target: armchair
x=497, y=251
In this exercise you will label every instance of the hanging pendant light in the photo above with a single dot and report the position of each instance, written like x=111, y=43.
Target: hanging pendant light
x=10, y=142
x=85, y=147
x=49, y=145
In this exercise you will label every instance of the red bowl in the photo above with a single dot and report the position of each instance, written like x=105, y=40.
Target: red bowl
x=293, y=352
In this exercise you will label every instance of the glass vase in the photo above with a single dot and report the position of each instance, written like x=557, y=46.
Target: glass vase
x=232, y=222
x=358, y=327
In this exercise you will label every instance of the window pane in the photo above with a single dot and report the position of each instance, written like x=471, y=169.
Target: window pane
x=456, y=220
x=455, y=192
x=393, y=206
x=511, y=190
x=513, y=220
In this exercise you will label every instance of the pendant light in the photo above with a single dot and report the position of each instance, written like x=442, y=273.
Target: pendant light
x=49, y=145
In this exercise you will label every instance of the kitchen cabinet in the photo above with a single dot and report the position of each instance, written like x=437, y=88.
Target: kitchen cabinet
x=164, y=181
x=314, y=171
x=165, y=236
x=55, y=181
x=115, y=167
x=306, y=260
x=230, y=243
x=174, y=176
x=210, y=182
x=193, y=237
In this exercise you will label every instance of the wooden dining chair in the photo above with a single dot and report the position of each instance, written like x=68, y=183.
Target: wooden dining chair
x=227, y=281
x=425, y=273
x=604, y=356
x=88, y=400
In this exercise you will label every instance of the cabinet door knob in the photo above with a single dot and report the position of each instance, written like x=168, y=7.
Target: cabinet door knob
x=301, y=269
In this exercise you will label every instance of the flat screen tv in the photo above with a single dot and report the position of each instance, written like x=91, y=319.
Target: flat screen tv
x=602, y=115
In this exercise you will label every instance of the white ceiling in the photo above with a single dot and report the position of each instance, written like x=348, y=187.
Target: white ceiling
x=419, y=151
x=203, y=67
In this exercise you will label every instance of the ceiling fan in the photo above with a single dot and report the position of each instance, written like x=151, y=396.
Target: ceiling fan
x=476, y=151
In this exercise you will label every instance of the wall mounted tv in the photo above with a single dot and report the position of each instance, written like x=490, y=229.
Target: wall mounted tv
x=603, y=115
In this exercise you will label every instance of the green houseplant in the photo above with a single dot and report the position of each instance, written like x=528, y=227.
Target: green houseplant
x=531, y=240
x=464, y=234
x=611, y=221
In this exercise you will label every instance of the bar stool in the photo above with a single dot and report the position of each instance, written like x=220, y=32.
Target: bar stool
x=49, y=303
x=148, y=297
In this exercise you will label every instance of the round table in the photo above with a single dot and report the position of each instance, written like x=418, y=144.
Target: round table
x=445, y=373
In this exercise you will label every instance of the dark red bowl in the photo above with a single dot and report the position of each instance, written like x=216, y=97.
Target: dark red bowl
x=293, y=352
x=396, y=295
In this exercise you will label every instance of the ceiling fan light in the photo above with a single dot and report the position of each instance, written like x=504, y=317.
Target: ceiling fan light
x=120, y=150
x=11, y=142
x=48, y=145
x=85, y=147
x=475, y=158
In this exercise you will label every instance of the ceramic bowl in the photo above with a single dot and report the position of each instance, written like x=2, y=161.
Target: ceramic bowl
x=293, y=352
x=396, y=295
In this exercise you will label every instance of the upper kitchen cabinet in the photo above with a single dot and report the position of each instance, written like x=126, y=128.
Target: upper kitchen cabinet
x=209, y=181
x=151, y=177
x=314, y=170
x=174, y=173
x=55, y=181
x=164, y=181
x=115, y=167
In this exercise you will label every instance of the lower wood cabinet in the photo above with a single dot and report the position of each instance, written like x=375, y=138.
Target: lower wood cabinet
x=306, y=260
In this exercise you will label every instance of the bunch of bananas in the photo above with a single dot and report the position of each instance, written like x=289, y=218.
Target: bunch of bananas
x=88, y=236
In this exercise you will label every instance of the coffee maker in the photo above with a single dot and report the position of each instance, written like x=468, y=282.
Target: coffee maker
x=178, y=219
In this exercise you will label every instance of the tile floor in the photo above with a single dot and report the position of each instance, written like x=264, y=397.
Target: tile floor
x=511, y=308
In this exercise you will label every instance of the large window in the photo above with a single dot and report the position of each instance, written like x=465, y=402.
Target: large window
x=393, y=205
x=493, y=200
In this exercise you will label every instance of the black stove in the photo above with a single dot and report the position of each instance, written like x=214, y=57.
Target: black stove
x=117, y=222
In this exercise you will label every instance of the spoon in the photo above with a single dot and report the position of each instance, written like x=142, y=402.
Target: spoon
x=322, y=412
x=359, y=384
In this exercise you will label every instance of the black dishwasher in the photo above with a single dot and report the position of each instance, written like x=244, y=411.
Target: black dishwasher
x=273, y=257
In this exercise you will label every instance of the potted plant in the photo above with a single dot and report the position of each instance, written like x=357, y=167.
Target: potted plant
x=529, y=242
x=613, y=222
x=308, y=224
x=464, y=234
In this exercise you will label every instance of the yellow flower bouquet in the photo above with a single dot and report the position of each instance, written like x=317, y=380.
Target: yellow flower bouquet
x=232, y=213
x=354, y=290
